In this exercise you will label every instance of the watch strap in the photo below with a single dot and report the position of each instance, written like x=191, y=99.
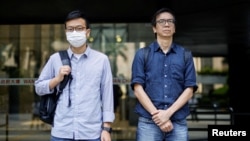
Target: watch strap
x=108, y=129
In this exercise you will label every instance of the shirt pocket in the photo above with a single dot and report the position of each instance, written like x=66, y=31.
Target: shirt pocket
x=177, y=72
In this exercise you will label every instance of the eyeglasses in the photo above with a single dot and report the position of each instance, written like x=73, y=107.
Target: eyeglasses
x=77, y=28
x=162, y=22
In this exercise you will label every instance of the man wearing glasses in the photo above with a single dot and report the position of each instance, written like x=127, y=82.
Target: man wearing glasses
x=163, y=84
x=85, y=109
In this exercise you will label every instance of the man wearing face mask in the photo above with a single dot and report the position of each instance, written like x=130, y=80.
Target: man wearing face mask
x=85, y=109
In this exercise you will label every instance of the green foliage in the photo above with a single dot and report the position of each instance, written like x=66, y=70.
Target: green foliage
x=219, y=96
x=209, y=70
x=113, y=50
x=221, y=91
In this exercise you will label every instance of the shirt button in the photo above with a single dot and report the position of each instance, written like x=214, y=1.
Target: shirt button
x=165, y=85
x=165, y=75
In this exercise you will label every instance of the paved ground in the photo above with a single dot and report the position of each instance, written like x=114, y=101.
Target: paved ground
x=21, y=128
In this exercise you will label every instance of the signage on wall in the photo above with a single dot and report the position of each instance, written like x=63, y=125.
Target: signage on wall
x=31, y=81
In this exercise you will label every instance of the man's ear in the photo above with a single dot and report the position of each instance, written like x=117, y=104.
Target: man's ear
x=154, y=30
x=88, y=33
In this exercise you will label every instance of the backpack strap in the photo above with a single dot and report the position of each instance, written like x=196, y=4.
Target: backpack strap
x=67, y=78
x=65, y=61
x=186, y=55
x=145, y=52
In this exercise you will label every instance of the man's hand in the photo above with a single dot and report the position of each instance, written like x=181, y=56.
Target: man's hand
x=167, y=126
x=105, y=136
x=64, y=70
x=160, y=117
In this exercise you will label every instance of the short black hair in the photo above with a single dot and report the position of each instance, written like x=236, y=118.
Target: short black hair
x=77, y=14
x=158, y=12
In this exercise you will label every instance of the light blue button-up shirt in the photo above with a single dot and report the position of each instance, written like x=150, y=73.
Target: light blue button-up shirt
x=91, y=95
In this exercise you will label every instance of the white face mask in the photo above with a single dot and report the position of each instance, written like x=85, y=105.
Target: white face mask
x=76, y=39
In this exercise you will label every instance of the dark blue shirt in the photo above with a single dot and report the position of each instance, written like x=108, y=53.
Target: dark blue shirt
x=165, y=77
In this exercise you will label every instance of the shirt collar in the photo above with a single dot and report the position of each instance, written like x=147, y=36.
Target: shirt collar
x=85, y=54
x=157, y=47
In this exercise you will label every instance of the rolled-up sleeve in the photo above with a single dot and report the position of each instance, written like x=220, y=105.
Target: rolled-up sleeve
x=138, y=75
x=190, y=73
x=42, y=83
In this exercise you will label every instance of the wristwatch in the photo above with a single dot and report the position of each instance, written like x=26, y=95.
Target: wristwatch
x=108, y=129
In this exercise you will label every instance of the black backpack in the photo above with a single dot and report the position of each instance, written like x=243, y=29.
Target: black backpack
x=48, y=102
